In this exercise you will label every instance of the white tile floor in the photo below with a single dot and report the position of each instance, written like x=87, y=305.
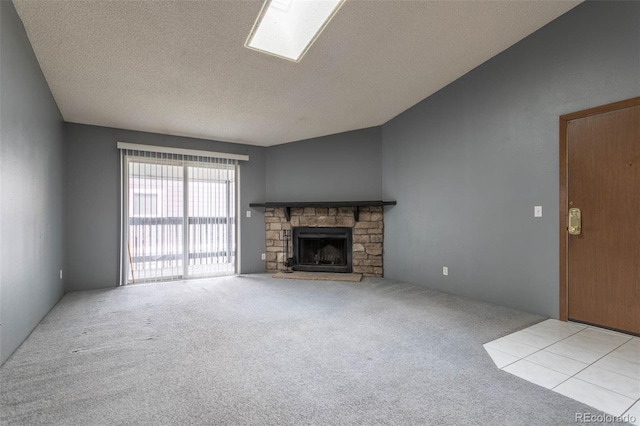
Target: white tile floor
x=600, y=368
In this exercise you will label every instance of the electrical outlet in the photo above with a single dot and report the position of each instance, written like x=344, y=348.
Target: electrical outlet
x=445, y=270
x=60, y=273
x=264, y=256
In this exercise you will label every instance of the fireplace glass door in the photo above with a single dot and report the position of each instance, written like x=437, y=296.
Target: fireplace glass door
x=322, y=249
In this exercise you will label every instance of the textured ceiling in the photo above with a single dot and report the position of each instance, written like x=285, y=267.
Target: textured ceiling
x=181, y=68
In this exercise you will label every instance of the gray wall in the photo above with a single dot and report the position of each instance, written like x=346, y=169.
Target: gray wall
x=93, y=199
x=31, y=185
x=468, y=164
x=341, y=167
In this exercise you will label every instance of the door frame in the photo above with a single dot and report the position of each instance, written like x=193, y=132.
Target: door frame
x=564, y=251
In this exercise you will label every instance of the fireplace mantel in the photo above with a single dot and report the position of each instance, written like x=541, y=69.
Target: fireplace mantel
x=355, y=205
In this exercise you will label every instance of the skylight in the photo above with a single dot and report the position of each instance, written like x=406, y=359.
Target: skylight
x=287, y=28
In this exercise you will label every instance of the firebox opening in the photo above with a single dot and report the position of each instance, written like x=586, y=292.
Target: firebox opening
x=322, y=249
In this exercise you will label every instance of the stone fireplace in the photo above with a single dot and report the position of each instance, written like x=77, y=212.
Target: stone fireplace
x=332, y=226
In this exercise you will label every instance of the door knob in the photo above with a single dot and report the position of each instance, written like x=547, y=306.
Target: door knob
x=575, y=221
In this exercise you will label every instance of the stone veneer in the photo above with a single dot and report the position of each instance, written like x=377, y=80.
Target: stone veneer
x=368, y=234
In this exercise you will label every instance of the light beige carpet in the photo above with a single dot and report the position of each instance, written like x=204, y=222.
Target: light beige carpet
x=319, y=276
x=252, y=350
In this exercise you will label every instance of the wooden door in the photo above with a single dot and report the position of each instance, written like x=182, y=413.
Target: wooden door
x=603, y=181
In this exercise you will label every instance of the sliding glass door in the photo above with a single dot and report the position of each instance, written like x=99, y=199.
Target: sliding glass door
x=180, y=215
x=155, y=220
x=211, y=220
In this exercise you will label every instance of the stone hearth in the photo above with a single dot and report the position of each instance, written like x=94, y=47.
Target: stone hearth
x=368, y=234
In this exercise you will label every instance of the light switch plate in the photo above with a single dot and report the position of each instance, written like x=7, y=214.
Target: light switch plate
x=537, y=211
x=248, y=213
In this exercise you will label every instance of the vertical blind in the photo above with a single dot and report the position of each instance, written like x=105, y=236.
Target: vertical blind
x=178, y=216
